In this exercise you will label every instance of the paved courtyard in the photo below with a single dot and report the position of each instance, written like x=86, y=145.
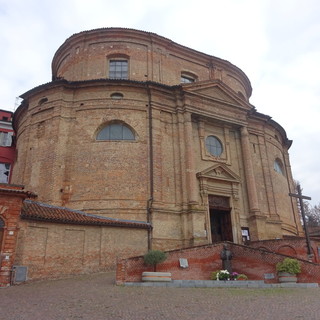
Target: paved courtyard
x=96, y=297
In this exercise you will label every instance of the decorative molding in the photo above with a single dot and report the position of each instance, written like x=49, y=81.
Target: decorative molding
x=219, y=172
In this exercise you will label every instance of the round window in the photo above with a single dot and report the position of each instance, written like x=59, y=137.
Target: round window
x=214, y=146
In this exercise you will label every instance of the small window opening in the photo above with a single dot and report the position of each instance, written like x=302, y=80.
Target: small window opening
x=186, y=78
x=116, y=96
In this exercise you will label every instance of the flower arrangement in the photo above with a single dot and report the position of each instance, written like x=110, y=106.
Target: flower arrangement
x=223, y=275
x=226, y=275
x=234, y=276
x=220, y=275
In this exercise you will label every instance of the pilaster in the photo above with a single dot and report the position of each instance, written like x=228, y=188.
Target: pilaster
x=256, y=220
x=190, y=161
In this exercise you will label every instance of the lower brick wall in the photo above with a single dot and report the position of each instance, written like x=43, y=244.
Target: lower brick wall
x=51, y=250
x=293, y=246
x=203, y=260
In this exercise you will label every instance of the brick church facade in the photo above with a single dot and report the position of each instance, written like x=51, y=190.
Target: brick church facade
x=136, y=128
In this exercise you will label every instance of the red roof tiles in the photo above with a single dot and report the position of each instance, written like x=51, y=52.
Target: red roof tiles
x=33, y=210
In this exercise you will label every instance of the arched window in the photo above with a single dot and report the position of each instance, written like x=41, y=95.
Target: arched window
x=278, y=166
x=214, y=146
x=116, y=131
x=116, y=96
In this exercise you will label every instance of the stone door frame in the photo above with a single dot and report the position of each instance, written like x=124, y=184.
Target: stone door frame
x=219, y=180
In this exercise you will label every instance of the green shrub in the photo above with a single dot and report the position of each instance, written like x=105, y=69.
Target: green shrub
x=289, y=265
x=154, y=257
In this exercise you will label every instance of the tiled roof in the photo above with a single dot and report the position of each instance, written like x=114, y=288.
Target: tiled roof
x=16, y=189
x=33, y=210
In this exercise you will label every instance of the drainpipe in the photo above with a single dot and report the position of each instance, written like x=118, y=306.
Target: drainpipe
x=150, y=200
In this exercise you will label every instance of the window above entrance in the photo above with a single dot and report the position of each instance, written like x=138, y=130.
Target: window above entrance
x=214, y=146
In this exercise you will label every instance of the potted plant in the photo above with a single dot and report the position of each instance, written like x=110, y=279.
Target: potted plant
x=242, y=276
x=288, y=269
x=153, y=258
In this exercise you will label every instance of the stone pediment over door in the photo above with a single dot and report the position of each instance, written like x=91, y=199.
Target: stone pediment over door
x=219, y=172
x=219, y=180
x=217, y=91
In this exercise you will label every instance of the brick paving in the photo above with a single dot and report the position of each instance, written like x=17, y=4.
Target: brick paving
x=96, y=297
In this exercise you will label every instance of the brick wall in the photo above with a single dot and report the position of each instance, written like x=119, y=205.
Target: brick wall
x=203, y=260
x=52, y=250
x=11, y=197
x=294, y=246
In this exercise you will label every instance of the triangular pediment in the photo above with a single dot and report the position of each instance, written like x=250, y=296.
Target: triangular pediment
x=219, y=172
x=217, y=91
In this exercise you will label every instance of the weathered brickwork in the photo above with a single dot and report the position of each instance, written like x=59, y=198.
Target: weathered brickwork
x=11, y=198
x=53, y=250
x=296, y=247
x=203, y=260
x=56, y=250
x=166, y=174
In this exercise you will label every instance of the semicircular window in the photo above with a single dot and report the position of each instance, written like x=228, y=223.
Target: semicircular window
x=116, y=96
x=214, y=146
x=116, y=131
x=278, y=166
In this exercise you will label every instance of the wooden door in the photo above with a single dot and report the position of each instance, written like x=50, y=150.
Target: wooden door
x=221, y=227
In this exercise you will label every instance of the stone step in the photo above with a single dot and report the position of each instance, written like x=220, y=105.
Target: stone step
x=221, y=284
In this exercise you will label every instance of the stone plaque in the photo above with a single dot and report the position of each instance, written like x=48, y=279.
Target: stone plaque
x=269, y=276
x=183, y=263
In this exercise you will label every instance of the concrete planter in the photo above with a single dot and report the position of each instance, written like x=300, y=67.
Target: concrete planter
x=285, y=277
x=156, y=276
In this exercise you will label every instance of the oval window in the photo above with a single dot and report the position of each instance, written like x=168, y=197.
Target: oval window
x=278, y=166
x=214, y=146
x=116, y=96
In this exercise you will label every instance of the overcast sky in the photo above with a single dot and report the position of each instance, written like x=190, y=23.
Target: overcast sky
x=275, y=42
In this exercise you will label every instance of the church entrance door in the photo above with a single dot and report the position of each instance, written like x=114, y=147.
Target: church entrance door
x=220, y=219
